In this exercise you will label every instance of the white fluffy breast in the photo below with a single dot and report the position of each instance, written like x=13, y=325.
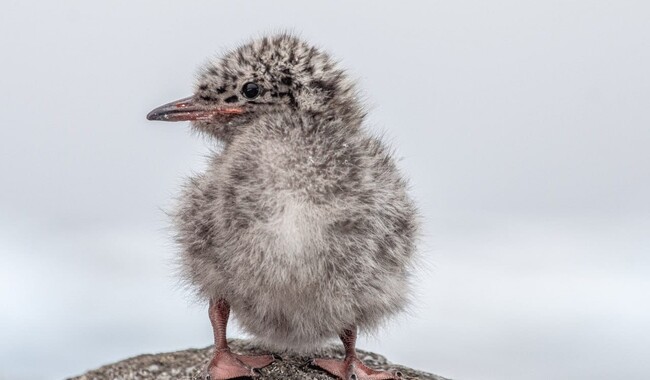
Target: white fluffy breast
x=294, y=226
x=293, y=234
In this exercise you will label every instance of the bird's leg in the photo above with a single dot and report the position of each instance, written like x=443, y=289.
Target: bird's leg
x=351, y=368
x=225, y=364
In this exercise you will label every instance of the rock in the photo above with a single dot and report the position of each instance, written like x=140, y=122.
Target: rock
x=189, y=365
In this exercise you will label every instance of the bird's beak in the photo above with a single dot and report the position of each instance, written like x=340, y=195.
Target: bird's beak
x=189, y=109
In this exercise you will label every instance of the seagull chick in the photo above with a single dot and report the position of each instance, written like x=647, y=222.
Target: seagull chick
x=301, y=224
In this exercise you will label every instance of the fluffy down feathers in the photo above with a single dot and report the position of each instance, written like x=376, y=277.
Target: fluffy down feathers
x=302, y=222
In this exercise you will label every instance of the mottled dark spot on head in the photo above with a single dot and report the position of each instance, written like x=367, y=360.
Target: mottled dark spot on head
x=311, y=54
x=265, y=45
x=325, y=86
x=305, y=79
x=292, y=100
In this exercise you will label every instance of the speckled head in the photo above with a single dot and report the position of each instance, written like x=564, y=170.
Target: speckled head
x=273, y=74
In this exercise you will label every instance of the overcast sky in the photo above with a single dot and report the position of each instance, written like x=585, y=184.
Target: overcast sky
x=523, y=126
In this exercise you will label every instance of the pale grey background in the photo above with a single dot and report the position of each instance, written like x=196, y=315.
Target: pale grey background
x=524, y=127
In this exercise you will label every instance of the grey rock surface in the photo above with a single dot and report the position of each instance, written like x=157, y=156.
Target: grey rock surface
x=189, y=365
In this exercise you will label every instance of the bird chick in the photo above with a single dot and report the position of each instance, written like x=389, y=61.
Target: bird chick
x=301, y=224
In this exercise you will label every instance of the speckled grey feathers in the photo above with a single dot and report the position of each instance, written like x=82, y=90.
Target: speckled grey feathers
x=302, y=221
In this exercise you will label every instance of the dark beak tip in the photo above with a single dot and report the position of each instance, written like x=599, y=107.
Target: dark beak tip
x=152, y=115
x=172, y=111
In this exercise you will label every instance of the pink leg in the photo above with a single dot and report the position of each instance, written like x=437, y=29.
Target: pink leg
x=226, y=365
x=351, y=368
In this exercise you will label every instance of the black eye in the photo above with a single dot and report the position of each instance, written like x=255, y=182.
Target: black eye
x=251, y=90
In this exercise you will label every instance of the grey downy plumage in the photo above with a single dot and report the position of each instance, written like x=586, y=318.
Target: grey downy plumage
x=301, y=222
